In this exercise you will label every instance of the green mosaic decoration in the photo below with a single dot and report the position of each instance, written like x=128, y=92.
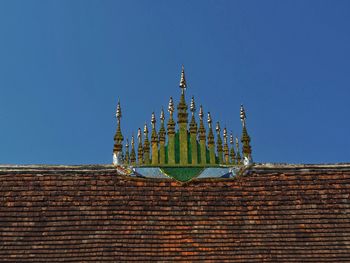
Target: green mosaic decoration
x=182, y=174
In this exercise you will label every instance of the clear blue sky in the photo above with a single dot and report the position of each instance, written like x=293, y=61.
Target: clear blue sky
x=64, y=64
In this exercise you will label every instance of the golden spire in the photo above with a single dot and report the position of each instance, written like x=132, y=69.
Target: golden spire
x=140, y=147
x=226, y=150
x=171, y=123
x=162, y=129
x=183, y=85
x=242, y=115
x=132, y=154
x=145, y=131
x=225, y=135
x=246, y=148
x=232, y=152
x=162, y=118
x=139, y=136
x=127, y=151
x=171, y=107
x=201, y=130
x=182, y=106
x=238, y=156
x=193, y=106
x=153, y=120
x=217, y=128
x=201, y=115
x=209, y=120
x=154, y=137
x=219, y=142
x=193, y=124
x=119, y=111
x=118, y=137
x=146, y=146
x=210, y=134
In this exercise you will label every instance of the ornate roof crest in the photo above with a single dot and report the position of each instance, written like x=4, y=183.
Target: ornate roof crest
x=181, y=145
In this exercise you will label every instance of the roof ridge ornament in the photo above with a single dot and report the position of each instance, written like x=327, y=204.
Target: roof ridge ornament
x=184, y=142
x=183, y=84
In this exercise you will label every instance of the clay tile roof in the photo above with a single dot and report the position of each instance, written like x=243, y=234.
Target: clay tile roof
x=270, y=213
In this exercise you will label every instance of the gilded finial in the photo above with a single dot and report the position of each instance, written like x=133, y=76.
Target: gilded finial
x=145, y=130
x=132, y=154
x=127, y=157
x=162, y=118
x=183, y=80
x=193, y=106
x=232, y=151
x=171, y=106
x=162, y=129
x=153, y=120
x=209, y=120
x=242, y=115
x=218, y=128
x=127, y=145
x=225, y=135
x=139, y=135
x=201, y=115
x=118, y=137
x=119, y=111
x=238, y=155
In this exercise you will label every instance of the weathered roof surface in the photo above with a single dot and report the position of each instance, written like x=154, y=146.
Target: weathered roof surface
x=270, y=213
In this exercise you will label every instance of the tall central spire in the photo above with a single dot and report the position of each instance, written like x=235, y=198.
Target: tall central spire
x=182, y=120
x=183, y=85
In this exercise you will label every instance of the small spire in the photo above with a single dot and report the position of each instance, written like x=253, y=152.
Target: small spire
x=193, y=106
x=132, y=142
x=171, y=106
x=145, y=130
x=171, y=123
x=225, y=135
x=193, y=124
x=232, y=152
x=127, y=152
x=183, y=80
x=242, y=115
x=162, y=129
x=210, y=134
x=154, y=135
x=153, y=120
x=146, y=157
x=162, y=118
x=132, y=154
x=140, y=147
x=127, y=145
x=209, y=120
x=118, y=137
x=119, y=111
x=238, y=156
x=218, y=128
x=226, y=149
x=201, y=115
x=139, y=135
x=219, y=142
x=231, y=139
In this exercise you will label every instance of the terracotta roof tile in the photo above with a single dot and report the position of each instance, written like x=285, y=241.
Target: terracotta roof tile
x=280, y=213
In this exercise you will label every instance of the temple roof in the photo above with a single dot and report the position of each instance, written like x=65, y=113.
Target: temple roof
x=89, y=213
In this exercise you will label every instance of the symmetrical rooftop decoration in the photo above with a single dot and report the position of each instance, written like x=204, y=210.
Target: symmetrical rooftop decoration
x=184, y=142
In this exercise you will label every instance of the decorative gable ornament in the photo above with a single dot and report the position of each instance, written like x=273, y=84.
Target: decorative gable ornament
x=183, y=151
